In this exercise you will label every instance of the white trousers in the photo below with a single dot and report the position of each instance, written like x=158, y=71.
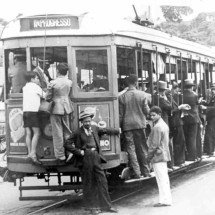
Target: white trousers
x=162, y=178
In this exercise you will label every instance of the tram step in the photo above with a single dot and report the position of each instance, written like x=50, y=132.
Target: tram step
x=31, y=198
x=53, y=188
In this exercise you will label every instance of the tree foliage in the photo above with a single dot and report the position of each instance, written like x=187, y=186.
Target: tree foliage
x=200, y=30
x=174, y=13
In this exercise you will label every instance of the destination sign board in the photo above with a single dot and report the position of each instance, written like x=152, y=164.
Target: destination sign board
x=53, y=22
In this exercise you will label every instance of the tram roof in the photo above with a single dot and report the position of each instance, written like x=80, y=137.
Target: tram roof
x=90, y=25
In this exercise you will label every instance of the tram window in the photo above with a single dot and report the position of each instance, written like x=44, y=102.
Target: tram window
x=126, y=65
x=145, y=73
x=191, y=74
x=170, y=75
x=52, y=56
x=16, y=67
x=92, y=70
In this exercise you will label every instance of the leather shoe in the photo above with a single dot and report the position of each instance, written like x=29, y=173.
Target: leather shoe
x=112, y=210
x=161, y=205
x=35, y=161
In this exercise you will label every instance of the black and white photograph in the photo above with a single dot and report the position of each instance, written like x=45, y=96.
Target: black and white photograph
x=107, y=107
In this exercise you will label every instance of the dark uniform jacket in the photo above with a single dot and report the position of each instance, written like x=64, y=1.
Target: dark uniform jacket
x=79, y=140
x=191, y=98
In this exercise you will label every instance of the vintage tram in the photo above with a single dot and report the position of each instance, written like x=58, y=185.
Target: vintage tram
x=100, y=54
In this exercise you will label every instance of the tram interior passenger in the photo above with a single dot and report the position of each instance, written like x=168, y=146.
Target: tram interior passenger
x=92, y=70
x=17, y=69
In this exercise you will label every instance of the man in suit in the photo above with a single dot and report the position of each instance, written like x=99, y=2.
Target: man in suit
x=161, y=100
x=209, y=145
x=59, y=91
x=191, y=121
x=133, y=108
x=85, y=146
x=159, y=155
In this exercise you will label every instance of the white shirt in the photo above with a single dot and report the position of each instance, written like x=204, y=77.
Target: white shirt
x=32, y=94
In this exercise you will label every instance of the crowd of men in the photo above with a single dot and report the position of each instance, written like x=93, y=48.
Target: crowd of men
x=181, y=111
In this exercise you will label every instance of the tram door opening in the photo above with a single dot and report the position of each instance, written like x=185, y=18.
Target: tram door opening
x=16, y=61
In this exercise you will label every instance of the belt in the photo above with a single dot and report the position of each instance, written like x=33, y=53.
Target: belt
x=92, y=148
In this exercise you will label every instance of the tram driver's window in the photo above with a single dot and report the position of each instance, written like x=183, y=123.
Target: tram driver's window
x=16, y=69
x=92, y=70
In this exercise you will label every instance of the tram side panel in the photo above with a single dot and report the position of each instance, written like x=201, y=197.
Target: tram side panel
x=105, y=115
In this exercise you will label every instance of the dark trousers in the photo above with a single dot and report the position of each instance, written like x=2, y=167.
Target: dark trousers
x=209, y=137
x=170, y=164
x=178, y=145
x=199, y=141
x=137, y=150
x=190, y=133
x=95, y=187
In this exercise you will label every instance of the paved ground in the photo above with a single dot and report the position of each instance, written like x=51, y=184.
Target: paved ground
x=193, y=194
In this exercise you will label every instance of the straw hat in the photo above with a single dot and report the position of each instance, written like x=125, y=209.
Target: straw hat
x=84, y=114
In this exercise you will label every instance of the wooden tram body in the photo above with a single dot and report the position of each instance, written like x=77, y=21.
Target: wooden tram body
x=96, y=51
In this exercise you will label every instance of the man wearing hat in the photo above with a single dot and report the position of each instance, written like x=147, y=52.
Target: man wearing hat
x=85, y=146
x=191, y=120
x=161, y=100
x=133, y=109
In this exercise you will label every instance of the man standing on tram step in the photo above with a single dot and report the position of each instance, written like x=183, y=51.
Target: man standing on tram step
x=133, y=109
x=159, y=155
x=209, y=144
x=176, y=126
x=58, y=91
x=191, y=121
x=85, y=146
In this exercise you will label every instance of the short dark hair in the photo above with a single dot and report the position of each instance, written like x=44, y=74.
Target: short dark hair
x=29, y=75
x=132, y=79
x=156, y=110
x=62, y=68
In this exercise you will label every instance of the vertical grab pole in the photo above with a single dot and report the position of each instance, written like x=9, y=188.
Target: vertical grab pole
x=141, y=64
x=182, y=79
x=205, y=79
x=191, y=66
x=200, y=76
x=210, y=73
x=157, y=74
x=187, y=68
x=169, y=67
x=196, y=81
x=170, y=75
x=151, y=80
